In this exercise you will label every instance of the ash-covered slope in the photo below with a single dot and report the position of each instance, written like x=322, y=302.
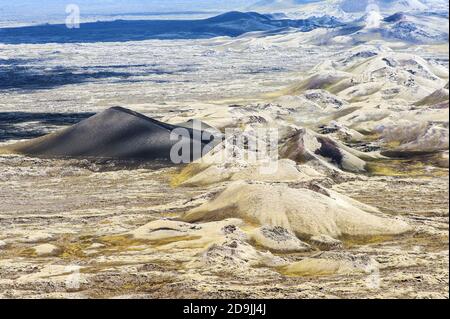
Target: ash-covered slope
x=116, y=133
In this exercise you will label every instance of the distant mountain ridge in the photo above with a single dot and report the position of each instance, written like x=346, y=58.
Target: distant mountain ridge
x=412, y=27
x=417, y=28
x=231, y=24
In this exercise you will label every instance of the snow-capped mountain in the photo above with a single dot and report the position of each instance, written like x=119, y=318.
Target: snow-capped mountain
x=418, y=28
x=410, y=28
x=382, y=5
x=421, y=28
x=347, y=9
x=406, y=27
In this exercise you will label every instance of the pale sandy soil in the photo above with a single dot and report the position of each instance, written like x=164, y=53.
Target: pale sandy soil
x=72, y=205
x=68, y=227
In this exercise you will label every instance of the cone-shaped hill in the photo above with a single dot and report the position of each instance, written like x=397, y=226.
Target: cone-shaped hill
x=116, y=133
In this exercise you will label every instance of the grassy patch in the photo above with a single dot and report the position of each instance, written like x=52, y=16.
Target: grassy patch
x=184, y=174
x=352, y=241
x=310, y=267
x=405, y=168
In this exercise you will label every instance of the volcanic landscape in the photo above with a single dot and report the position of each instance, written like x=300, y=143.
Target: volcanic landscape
x=91, y=206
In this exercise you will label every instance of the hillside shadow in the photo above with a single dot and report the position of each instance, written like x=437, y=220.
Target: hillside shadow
x=26, y=125
x=29, y=78
x=18, y=74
